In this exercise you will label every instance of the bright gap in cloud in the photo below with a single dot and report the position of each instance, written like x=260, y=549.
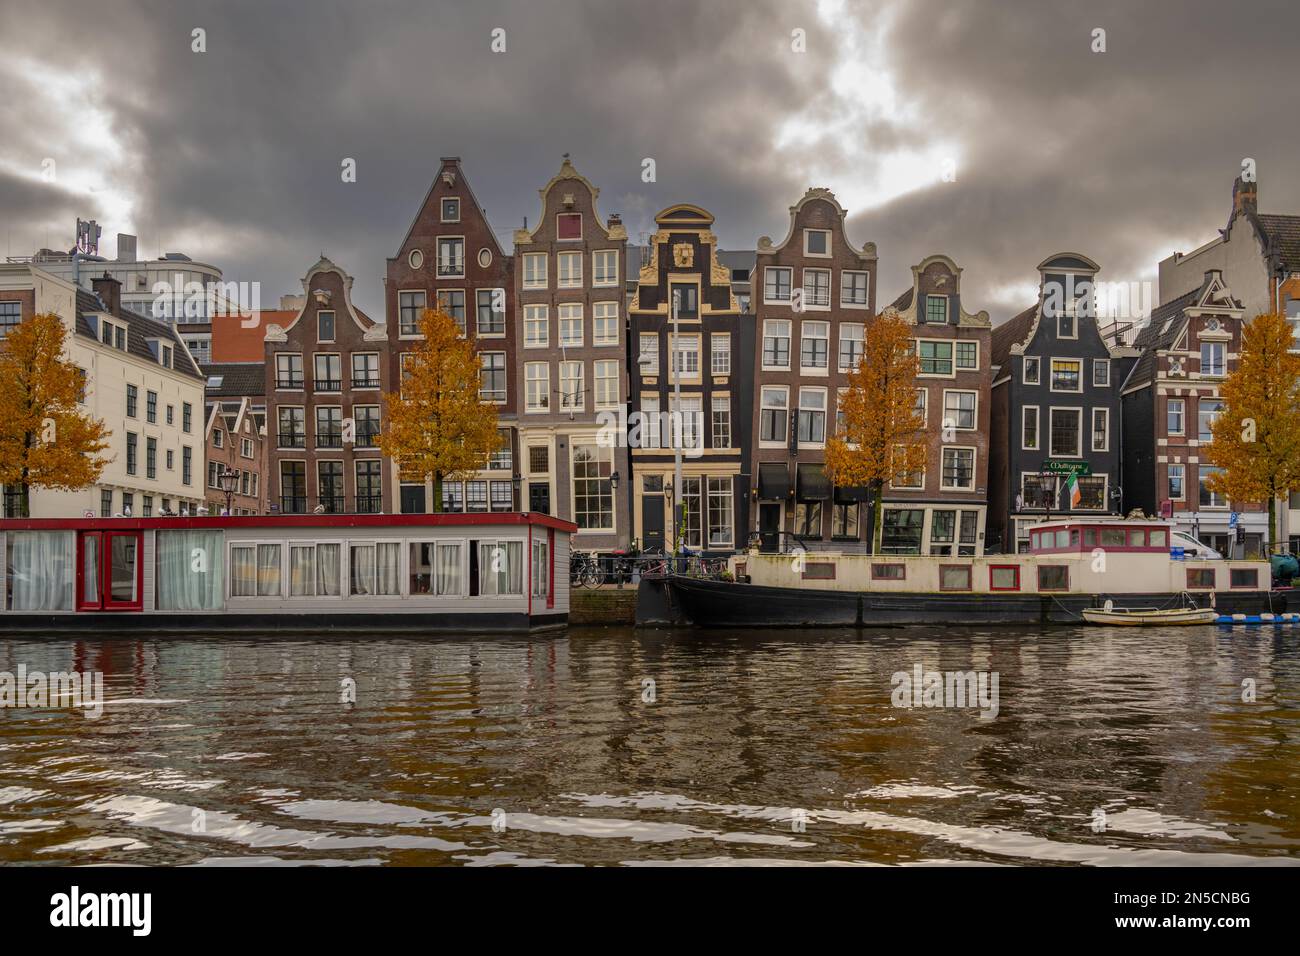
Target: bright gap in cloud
x=862, y=93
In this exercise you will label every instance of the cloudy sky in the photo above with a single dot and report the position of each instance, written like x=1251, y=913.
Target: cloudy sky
x=233, y=155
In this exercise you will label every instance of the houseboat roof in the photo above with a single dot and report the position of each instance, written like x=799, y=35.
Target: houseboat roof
x=217, y=522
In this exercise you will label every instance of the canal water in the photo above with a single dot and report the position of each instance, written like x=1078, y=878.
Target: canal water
x=622, y=747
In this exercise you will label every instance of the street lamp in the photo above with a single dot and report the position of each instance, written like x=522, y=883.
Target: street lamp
x=613, y=481
x=515, y=483
x=228, y=479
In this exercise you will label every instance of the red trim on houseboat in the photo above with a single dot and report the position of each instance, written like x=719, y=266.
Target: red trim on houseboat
x=238, y=522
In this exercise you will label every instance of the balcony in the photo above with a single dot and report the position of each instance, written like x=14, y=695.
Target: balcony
x=369, y=504
x=288, y=381
x=327, y=384
x=293, y=504
x=365, y=381
x=292, y=440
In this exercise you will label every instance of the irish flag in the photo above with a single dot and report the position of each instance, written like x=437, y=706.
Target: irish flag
x=1075, y=496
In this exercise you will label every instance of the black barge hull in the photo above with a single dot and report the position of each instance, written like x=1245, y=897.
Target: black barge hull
x=722, y=604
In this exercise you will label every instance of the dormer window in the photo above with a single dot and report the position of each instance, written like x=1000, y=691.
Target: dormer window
x=936, y=310
x=816, y=242
x=166, y=360
x=114, y=336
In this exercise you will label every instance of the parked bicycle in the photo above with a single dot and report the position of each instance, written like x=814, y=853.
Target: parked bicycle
x=584, y=571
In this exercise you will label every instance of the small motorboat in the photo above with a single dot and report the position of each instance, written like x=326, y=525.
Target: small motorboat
x=1149, y=617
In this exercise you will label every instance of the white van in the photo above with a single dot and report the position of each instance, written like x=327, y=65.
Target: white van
x=1193, y=548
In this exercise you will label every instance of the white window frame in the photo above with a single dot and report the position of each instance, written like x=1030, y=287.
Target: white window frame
x=821, y=390
x=952, y=358
x=975, y=414
x=574, y=261
x=1038, y=427
x=1182, y=479
x=866, y=299
x=1097, y=365
x=599, y=340
x=536, y=313
x=1182, y=416
x=1078, y=452
x=566, y=314
x=860, y=337
x=1092, y=430
x=542, y=381
x=1024, y=369
x=810, y=304
x=789, y=329
x=1051, y=380
x=596, y=256
x=612, y=389
x=573, y=389
x=535, y=260
x=778, y=300
x=650, y=369
x=785, y=415
x=974, y=467
x=439, y=246
x=829, y=253
x=825, y=337
x=965, y=368
x=720, y=353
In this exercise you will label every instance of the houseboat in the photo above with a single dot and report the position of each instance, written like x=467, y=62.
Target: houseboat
x=1071, y=564
x=363, y=573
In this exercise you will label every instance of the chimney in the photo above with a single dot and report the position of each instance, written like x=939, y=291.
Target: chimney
x=125, y=247
x=1243, y=196
x=109, y=291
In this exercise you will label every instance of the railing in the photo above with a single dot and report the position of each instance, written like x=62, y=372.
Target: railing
x=327, y=384
x=369, y=504
x=329, y=440
x=451, y=267
x=367, y=437
x=332, y=504
x=365, y=381
x=292, y=440
x=293, y=504
x=288, y=381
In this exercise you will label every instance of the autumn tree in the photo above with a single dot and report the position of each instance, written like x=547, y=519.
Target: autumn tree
x=437, y=426
x=1257, y=432
x=881, y=437
x=46, y=441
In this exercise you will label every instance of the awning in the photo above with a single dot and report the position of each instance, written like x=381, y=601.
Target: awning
x=851, y=494
x=773, y=481
x=813, y=483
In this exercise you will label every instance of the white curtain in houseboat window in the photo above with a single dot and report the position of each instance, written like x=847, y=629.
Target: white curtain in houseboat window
x=388, y=565
x=268, y=570
x=243, y=571
x=328, y=570
x=363, y=569
x=302, y=570
x=189, y=571
x=41, y=570
x=448, y=570
x=501, y=567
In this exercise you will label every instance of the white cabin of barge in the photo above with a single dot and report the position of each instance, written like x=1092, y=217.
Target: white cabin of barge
x=502, y=570
x=1075, y=555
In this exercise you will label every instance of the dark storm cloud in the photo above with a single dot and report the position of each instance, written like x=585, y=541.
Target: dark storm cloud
x=234, y=155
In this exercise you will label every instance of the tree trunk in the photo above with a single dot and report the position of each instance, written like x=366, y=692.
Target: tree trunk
x=24, y=502
x=877, y=512
x=437, y=493
x=1272, y=525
